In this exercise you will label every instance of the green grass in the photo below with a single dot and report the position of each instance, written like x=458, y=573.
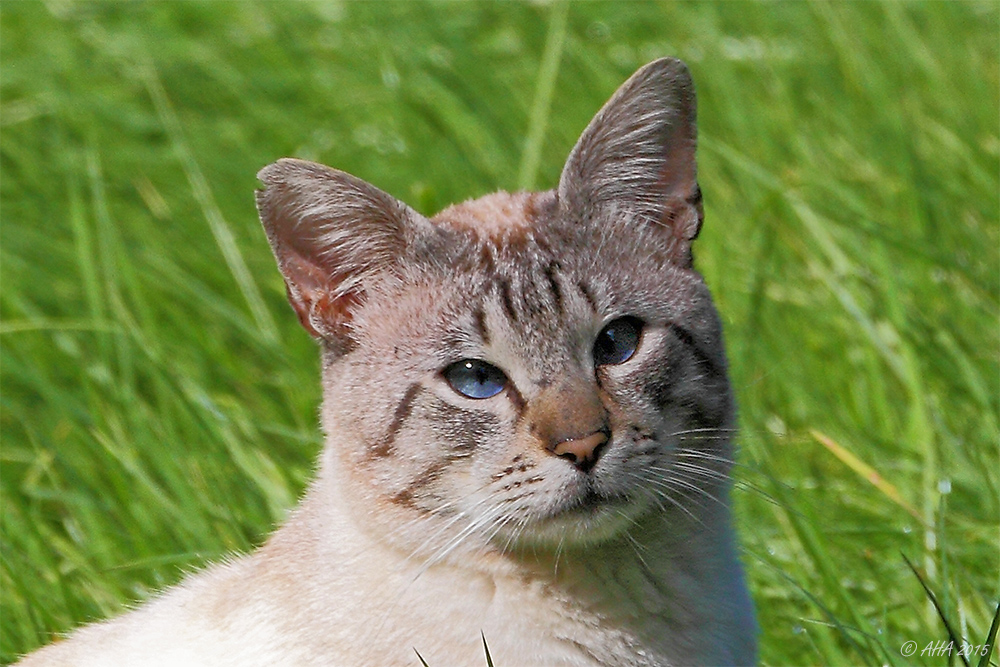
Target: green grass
x=159, y=398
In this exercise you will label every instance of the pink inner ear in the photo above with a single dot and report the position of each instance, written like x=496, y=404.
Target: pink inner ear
x=321, y=314
x=302, y=305
x=322, y=308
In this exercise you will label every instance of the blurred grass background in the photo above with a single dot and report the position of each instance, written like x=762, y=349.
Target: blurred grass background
x=159, y=398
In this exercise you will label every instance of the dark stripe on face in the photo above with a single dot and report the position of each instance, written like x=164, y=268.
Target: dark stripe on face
x=505, y=299
x=688, y=340
x=550, y=276
x=462, y=445
x=488, y=264
x=479, y=321
x=415, y=491
x=588, y=295
x=458, y=431
x=385, y=446
x=516, y=399
x=404, y=498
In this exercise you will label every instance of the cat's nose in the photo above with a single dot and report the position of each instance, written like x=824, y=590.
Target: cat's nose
x=570, y=421
x=583, y=452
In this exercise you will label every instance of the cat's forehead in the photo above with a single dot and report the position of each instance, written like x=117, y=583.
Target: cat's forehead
x=497, y=215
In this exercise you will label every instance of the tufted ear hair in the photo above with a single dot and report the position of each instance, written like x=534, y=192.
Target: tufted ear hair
x=638, y=156
x=330, y=232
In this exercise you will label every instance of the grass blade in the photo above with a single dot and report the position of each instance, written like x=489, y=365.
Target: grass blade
x=991, y=636
x=531, y=159
x=952, y=635
x=489, y=658
x=864, y=470
x=203, y=194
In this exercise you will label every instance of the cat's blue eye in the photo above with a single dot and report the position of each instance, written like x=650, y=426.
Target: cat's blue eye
x=617, y=341
x=475, y=379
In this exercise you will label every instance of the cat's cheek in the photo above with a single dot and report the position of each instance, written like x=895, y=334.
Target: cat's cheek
x=631, y=415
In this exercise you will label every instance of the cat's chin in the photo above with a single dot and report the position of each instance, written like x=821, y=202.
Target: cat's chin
x=589, y=518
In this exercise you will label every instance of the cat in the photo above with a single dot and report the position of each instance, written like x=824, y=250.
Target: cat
x=528, y=429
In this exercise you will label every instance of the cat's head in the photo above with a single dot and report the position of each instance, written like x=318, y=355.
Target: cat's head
x=534, y=367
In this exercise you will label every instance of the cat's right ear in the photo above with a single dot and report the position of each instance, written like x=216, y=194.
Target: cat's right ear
x=638, y=156
x=329, y=231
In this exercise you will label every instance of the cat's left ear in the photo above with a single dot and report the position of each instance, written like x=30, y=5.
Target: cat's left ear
x=331, y=234
x=637, y=157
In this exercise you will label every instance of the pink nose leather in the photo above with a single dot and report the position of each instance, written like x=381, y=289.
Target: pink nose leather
x=582, y=451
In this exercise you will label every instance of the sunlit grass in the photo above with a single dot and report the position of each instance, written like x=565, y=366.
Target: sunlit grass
x=159, y=399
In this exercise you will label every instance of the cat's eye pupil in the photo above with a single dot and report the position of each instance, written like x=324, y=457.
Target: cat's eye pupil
x=617, y=341
x=474, y=378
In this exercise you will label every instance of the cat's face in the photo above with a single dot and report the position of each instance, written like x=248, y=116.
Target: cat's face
x=536, y=368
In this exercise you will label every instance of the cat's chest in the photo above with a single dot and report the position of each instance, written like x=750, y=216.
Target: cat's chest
x=526, y=620
x=573, y=630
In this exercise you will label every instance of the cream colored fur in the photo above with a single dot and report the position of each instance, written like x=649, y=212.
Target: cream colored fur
x=325, y=591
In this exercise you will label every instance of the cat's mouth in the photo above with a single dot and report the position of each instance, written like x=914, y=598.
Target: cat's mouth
x=588, y=507
x=590, y=501
x=584, y=515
